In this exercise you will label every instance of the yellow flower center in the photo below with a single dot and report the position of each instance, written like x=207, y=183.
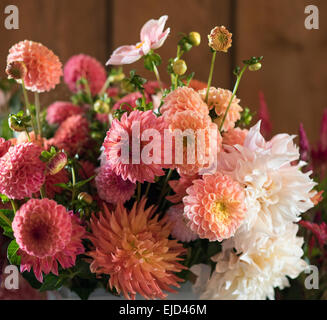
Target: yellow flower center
x=140, y=45
x=220, y=210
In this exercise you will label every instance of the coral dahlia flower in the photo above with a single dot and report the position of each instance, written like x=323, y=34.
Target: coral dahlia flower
x=84, y=66
x=219, y=100
x=47, y=234
x=21, y=171
x=152, y=37
x=215, y=206
x=123, y=156
x=43, y=67
x=179, y=187
x=235, y=136
x=183, y=99
x=134, y=249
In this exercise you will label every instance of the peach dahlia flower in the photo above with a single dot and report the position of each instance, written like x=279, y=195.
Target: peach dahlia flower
x=134, y=249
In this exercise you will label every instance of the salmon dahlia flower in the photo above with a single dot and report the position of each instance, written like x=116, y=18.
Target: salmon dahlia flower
x=183, y=99
x=152, y=37
x=124, y=157
x=215, y=207
x=219, y=100
x=234, y=136
x=47, y=234
x=134, y=250
x=43, y=67
x=21, y=171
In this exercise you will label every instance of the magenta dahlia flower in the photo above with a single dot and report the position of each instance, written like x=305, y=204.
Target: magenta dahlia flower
x=59, y=111
x=22, y=171
x=111, y=187
x=119, y=138
x=44, y=68
x=84, y=66
x=47, y=234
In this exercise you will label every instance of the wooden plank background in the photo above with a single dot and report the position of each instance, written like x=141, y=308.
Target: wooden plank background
x=294, y=76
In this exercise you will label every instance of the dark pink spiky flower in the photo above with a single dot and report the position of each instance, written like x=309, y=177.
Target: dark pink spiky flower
x=47, y=234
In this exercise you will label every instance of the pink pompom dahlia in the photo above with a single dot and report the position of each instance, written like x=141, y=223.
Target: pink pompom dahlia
x=4, y=146
x=84, y=66
x=215, y=207
x=47, y=234
x=43, y=67
x=59, y=111
x=180, y=230
x=183, y=99
x=128, y=103
x=219, y=100
x=72, y=135
x=22, y=171
x=111, y=187
x=86, y=170
x=134, y=249
x=125, y=160
x=51, y=180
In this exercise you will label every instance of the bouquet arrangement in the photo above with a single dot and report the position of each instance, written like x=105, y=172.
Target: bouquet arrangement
x=137, y=186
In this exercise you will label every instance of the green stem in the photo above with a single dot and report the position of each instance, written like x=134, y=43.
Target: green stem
x=28, y=135
x=42, y=192
x=163, y=190
x=210, y=74
x=73, y=181
x=147, y=189
x=13, y=204
x=156, y=72
x=4, y=218
x=88, y=91
x=138, y=192
x=37, y=111
x=105, y=86
x=237, y=83
x=28, y=106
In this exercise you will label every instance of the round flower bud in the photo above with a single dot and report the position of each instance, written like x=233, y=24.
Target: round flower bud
x=194, y=38
x=220, y=39
x=117, y=77
x=101, y=107
x=96, y=135
x=57, y=163
x=15, y=125
x=255, y=67
x=16, y=70
x=83, y=196
x=179, y=67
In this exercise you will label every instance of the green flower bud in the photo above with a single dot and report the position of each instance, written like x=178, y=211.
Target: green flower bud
x=96, y=135
x=255, y=67
x=101, y=107
x=194, y=38
x=179, y=67
x=15, y=125
x=83, y=196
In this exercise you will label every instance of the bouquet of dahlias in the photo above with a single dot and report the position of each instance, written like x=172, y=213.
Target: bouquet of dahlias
x=137, y=186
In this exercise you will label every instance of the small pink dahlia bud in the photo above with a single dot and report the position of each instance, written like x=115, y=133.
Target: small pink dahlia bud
x=16, y=70
x=57, y=163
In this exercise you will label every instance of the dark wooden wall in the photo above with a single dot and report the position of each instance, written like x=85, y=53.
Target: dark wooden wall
x=294, y=77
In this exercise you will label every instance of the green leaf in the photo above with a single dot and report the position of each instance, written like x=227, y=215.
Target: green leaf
x=82, y=183
x=12, y=253
x=64, y=186
x=150, y=60
x=51, y=282
x=7, y=229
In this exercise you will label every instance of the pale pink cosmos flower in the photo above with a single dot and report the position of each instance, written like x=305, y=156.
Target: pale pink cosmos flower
x=152, y=37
